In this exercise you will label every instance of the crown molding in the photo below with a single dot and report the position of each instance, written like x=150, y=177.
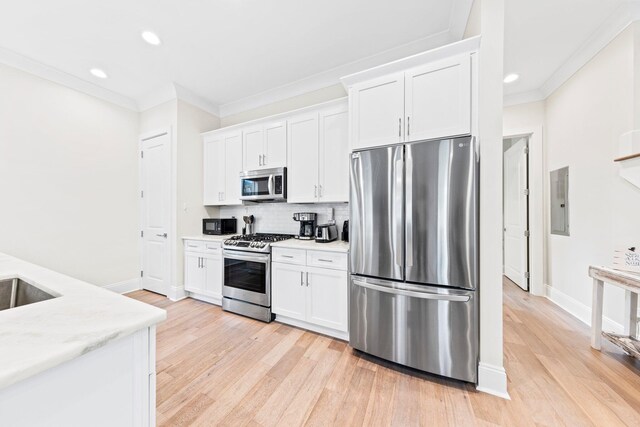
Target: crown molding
x=186, y=95
x=333, y=76
x=172, y=92
x=31, y=66
x=626, y=14
x=523, y=97
x=159, y=96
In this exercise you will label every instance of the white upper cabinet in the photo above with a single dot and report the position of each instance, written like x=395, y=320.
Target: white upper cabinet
x=424, y=96
x=438, y=99
x=252, y=145
x=233, y=167
x=222, y=167
x=333, y=179
x=378, y=111
x=275, y=145
x=265, y=145
x=302, y=173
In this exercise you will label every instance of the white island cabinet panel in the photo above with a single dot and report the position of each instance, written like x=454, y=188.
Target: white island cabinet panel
x=302, y=173
x=438, y=99
x=378, y=112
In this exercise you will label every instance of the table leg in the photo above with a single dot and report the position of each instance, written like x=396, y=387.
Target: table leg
x=631, y=314
x=596, y=314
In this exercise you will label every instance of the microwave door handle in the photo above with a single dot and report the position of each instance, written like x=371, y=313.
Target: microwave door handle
x=271, y=185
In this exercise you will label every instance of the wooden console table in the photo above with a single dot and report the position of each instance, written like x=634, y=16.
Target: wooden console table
x=631, y=284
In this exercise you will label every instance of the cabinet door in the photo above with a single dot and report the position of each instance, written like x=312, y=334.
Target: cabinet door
x=334, y=155
x=275, y=144
x=214, y=171
x=302, y=172
x=438, y=99
x=252, y=147
x=193, y=272
x=327, y=298
x=212, y=283
x=378, y=112
x=233, y=165
x=288, y=290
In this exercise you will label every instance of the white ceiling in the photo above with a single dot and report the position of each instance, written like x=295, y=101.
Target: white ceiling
x=222, y=50
x=546, y=41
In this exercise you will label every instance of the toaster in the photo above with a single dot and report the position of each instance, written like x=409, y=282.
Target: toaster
x=326, y=233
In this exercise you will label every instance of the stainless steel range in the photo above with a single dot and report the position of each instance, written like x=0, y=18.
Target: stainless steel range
x=246, y=286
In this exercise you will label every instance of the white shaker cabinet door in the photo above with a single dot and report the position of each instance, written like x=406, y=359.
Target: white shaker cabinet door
x=302, y=172
x=334, y=155
x=214, y=171
x=275, y=145
x=212, y=283
x=233, y=165
x=438, y=99
x=327, y=298
x=288, y=290
x=377, y=112
x=252, y=143
x=193, y=272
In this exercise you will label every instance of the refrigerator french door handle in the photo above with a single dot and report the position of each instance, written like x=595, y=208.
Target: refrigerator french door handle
x=398, y=206
x=409, y=211
x=413, y=294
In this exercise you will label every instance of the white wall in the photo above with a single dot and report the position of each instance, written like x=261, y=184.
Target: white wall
x=68, y=168
x=523, y=116
x=300, y=101
x=583, y=121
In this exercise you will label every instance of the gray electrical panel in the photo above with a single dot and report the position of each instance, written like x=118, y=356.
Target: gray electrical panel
x=559, y=202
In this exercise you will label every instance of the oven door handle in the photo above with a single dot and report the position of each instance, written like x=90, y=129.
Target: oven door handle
x=243, y=256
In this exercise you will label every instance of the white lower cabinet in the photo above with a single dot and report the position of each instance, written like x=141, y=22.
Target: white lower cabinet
x=310, y=297
x=203, y=271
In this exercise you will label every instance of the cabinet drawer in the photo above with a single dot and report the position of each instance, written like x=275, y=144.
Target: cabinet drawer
x=289, y=256
x=212, y=247
x=333, y=260
x=193, y=245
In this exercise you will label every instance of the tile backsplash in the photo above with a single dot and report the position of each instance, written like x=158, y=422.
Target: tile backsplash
x=278, y=217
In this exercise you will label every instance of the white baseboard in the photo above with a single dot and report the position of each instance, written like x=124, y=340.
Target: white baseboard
x=176, y=293
x=579, y=310
x=493, y=380
x=205, y=298
x=124, y=286
x=313, y=328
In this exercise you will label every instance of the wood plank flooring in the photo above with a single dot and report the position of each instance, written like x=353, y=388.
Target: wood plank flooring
x=216, y=368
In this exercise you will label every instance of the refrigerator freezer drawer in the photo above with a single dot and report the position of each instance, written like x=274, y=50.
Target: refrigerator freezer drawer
x=431, y=329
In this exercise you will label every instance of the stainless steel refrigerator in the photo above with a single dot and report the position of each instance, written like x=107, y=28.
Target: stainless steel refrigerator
x=414, y=255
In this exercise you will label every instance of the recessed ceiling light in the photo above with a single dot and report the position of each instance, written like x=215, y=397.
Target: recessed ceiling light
x=98, y=73
x=151, y=38
x=510, y=78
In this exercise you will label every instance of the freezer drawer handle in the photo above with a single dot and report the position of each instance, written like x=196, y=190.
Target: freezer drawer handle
x=423, y=295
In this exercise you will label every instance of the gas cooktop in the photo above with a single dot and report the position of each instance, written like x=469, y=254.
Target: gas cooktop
x=258, y=242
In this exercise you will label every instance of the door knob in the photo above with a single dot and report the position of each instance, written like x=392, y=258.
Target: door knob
x=162, y=235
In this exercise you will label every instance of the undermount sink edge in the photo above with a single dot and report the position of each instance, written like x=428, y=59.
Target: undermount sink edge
x=16, y=292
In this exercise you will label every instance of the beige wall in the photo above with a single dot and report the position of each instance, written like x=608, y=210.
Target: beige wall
x=583, y=121
x=191, y=122
x=68, y=168
x=300, y=101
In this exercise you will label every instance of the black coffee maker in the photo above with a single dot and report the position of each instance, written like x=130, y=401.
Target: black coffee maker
x=307, y=225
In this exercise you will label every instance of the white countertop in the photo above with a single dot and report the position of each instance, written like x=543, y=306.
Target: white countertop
x=209, y=238
x=335, y=246
x=39, y=336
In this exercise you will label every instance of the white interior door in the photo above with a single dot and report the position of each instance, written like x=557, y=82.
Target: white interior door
x=516, y=241
x=156, y=208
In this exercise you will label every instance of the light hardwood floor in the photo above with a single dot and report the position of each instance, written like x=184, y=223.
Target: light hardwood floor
x=216, y=368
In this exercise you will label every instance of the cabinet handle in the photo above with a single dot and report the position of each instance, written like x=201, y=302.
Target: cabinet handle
x=301, y=278
x=199, y=262
x=325, y=260
x=307, y=279
x=320, y=191
x=408, y=125
x=315, y=191
x=193, y=246
x=400, y=127
x=259, y=159
x=286, y=256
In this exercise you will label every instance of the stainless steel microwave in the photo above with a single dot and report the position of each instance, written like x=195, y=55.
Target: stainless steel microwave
x=266, y=185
